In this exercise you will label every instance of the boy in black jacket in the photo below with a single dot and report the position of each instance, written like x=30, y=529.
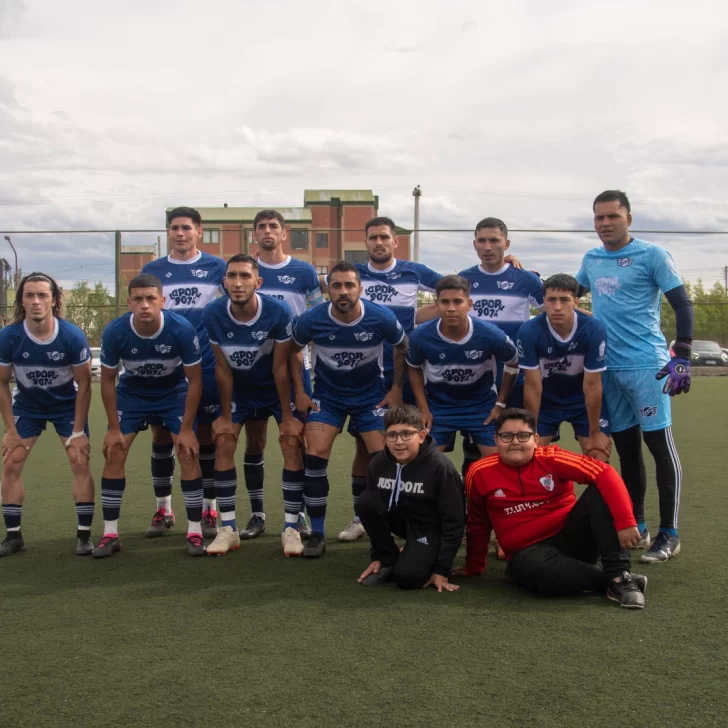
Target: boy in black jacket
x=414, y=492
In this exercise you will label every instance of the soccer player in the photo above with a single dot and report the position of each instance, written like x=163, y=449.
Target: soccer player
x=190, y=280
x=627, y=278
x=347, y=337
x=502, y=295
x=52, y=366
x=552, y=540
x=395, y=284
x=295, y=282
x=563, y=352
x=416, y=493
x=250, y=335
x=452, y=364
x=159, y=350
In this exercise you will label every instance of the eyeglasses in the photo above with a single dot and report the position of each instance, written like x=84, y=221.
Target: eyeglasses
x=520, y=436
x=186, y=228
x=406, y=435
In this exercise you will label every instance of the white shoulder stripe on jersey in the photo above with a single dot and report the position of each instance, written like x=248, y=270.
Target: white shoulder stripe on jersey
x=595, y=371
x=414, y=366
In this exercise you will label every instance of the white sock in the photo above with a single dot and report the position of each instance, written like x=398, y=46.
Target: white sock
x=194, y=527
x=165, y=503
x=209, y=504
x=291, y=518
x=111, y=527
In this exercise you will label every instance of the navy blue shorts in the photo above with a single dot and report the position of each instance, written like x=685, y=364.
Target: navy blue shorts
x=33, y=426
x=163, y=410
x=550, y=420
x=209, y=408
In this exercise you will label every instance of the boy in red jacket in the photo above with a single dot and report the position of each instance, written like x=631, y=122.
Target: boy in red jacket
x=552, y=541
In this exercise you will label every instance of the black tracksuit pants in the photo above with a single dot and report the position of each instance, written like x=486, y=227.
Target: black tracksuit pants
x=414, y=565
x=566, y=562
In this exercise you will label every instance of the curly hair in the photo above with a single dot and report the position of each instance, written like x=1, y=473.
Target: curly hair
x=36, y=277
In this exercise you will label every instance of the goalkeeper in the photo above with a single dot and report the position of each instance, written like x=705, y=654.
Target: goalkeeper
x=627, y=278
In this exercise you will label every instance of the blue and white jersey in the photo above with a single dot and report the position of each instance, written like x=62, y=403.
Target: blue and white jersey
x=563, y=361
x=188, y=286
x=153, y=365
x=397, y=288
x=460, y=375
x=347, y=358
x=248, y=345
x=504, y=298
x=295, y=282
x=627, y=287
x=44, y=383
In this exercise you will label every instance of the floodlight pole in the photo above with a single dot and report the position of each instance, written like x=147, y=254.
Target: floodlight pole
x=7, y=237
x=417, y=193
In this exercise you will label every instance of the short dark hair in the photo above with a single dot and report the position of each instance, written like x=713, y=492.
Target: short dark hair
x=613, y=196
x=514, y=413
x=145, y=280
x=562, y=282
x=403, y=414
x=344, y=266
x=492, y=222
x=268, y=215
x=376, y=221
x=184, y=212
x=452, y=283
x=36, y=277
x=242, y=258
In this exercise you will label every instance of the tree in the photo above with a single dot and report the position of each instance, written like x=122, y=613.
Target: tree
x=90, y=309
x=711, y=314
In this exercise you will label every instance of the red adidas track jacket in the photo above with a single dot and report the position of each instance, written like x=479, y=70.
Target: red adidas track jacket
x=527, y=504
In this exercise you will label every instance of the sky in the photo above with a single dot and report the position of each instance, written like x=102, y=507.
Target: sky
x=110, y=113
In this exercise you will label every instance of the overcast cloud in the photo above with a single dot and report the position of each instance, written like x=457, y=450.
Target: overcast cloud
x=523, y=110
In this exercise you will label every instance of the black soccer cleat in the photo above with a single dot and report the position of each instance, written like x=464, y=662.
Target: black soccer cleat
x=663, y=547
x=254, y=528
x=627, y=592
x=13, y=544
x=304, y=527
x=315, y=546
x=84, y=546
x=385, y=574
x=107, y=546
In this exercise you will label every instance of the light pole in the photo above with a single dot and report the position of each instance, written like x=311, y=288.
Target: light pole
x=7, y=237
x=417, y=193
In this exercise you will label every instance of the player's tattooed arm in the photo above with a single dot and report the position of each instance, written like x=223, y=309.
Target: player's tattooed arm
x=223, y=425
x=304, y=403
x=417, y=382
x=532, y=390
x=399, y=354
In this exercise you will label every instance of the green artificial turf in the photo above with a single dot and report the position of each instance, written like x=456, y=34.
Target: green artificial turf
x=153, y=637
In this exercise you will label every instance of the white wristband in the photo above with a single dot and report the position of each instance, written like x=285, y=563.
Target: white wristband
x=73, y=436
x=500, y=404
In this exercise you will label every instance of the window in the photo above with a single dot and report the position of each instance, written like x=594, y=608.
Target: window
x=249, y=237
x=211, y=237
x=322, y=240
x=356, y=256
x=322, y=270
x=299, y=239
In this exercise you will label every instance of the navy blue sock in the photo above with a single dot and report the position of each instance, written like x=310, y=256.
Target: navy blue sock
x=12, y=514
x=316, y=490
x=358, y=486
x=162, y=469
x=292, y=496
x=192, y=493
x=85, y=515
x=254, y=473
x=112, y=491
x=207, y=466
x=226, y=485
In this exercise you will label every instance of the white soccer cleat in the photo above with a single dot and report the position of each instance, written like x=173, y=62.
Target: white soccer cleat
x=353, y=532
x=227, y=539
x=291, y=542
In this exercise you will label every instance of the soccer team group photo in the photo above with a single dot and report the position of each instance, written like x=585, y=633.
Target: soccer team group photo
x=540, y=391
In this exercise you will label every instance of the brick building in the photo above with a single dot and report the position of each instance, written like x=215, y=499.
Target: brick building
x=328, y=228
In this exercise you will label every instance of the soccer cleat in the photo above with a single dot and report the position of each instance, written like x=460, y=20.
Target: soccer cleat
x=385, y=574
x=644, y=541
x=627, y=592
x=254, y=528
x=227, y=539
x=109, y=544
x=291, y=542
x=209, y=524
x=84, y=546
x=161, y=523
x=304, y=527
x=195, y=547
x=641, y=582
x=663, y=548
x=12, y=545
x=315, y=546
x=352, y=532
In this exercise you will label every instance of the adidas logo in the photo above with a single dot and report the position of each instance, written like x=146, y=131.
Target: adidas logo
x=423, y=540
x=499, y=494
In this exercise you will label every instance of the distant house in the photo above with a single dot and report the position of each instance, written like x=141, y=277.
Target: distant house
x=328, y=228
